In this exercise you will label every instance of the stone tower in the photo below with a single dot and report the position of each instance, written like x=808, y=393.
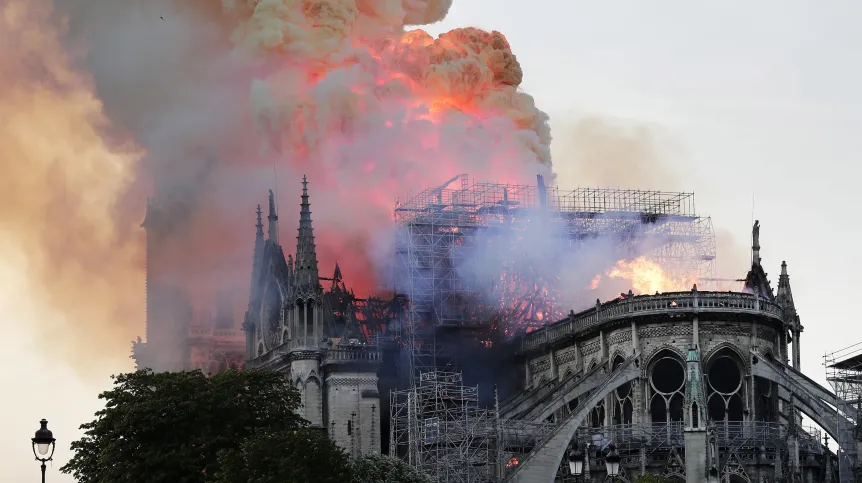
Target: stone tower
x=291, y=326
x=305, y=302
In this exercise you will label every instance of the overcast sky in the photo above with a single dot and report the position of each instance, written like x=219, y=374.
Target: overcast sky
x=749, y=99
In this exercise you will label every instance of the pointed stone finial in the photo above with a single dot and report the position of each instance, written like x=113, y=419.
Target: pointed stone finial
x=784, y=268
x=273, y=219
x=259, y=225
x=307, y=276
x=755, y=243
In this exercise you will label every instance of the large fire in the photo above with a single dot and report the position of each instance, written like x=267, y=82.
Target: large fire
x=647, y=276
x=339, y=90
x=345, y=94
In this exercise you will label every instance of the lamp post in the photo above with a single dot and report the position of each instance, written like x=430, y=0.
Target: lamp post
x=612, y=462
x=576, y=463
x=43, y=445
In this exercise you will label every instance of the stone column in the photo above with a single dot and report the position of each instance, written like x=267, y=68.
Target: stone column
x=695, y=455
x=695, y=332
x=796, y=350
x=294, y=332
x=554, y=372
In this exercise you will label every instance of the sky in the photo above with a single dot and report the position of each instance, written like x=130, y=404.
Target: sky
x=753, y=106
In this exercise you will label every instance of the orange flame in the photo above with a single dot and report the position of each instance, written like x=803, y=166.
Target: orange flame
x=648, y=277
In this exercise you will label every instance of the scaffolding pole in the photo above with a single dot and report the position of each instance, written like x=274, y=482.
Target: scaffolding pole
x=438, y=427
x=439, y=227
x=844, y=373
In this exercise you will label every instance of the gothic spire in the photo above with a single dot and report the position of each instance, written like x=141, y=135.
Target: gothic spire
x=273, y=219
x=784, y=295
x=259, y=225
x=257, y=260
x=307, y=275
x=755, y=243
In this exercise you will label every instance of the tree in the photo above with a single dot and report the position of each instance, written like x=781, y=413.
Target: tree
x=233, y=427
x=306, y=455
x=172, y=426
x=374, y=468
x=652, y=478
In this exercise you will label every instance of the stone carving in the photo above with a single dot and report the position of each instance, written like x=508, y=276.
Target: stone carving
x=725, y=329
x=665, y=331
x=351, y=381
x=566, y=356
x=620, y=337
x=540, y=365
x=590, y=347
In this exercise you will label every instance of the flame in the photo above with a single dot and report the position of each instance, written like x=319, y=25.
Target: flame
x=648, y=277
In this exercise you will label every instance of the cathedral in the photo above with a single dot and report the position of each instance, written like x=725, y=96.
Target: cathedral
x=291, y=325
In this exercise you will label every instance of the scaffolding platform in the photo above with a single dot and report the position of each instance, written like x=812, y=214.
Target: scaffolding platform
x=844, y=373
x=439, y=428
x=441, y=228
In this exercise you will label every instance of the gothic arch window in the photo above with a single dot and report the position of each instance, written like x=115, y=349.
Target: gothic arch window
x=725, y=387
x=270, y=315
x=666, y=387
x=596, y=418
x=622, y=398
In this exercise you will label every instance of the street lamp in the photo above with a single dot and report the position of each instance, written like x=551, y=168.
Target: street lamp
x=43, y=444
x=612, y=462
x=576, y=462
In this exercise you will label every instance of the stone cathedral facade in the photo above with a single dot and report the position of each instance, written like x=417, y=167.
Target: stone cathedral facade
x=290, y=326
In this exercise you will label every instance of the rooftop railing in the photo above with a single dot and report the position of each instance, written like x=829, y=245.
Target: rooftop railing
x=643, y=305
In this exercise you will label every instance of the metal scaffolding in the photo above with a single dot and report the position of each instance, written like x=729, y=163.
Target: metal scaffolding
x=438, y=427
x=844, y=373
x=439, y=227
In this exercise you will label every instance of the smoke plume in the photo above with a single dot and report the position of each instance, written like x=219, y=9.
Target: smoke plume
x=205, y=107
x=62, y=194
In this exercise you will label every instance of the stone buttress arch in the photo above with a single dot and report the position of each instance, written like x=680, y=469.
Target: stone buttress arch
x=809, y=400
x=527, y=407
x=543, y=462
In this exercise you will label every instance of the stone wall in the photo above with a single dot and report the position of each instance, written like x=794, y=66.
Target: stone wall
x=353, y=411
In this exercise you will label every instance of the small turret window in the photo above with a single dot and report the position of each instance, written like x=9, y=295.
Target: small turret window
x=350, y=428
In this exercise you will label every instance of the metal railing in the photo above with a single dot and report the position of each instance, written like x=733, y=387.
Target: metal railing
x=730, y=434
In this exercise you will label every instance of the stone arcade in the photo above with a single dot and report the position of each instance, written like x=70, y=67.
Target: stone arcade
x=699, y=386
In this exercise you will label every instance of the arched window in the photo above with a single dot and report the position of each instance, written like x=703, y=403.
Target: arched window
x=724, y=398
x=623, y=404
x=667, y=384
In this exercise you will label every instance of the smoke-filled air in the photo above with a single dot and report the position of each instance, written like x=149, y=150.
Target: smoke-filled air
x=205, y=106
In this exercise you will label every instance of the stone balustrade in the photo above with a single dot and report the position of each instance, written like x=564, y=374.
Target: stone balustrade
x=360, y=353
x=692, y=302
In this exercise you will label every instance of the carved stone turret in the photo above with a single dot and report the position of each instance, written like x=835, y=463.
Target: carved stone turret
x=307, y=277
x=273, y=219
x=695, y=399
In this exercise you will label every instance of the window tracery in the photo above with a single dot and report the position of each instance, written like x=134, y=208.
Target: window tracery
x=666, y=388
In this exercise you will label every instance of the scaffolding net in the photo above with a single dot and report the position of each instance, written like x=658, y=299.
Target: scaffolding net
x=440, y=229
x=438, y=427
x=844, y=373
